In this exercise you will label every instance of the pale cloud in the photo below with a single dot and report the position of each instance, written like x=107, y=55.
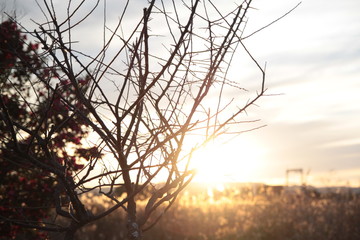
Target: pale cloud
x=315, y=66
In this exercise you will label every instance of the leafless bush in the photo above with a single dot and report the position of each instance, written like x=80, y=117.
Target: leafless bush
x=146, y=95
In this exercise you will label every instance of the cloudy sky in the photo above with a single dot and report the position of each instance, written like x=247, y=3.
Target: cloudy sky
x=313, y=77
x=313, y=59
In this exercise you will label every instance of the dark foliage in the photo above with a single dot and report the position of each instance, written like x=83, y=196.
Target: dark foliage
x=27, y=190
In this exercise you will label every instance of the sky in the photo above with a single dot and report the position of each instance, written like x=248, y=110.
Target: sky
x=312, y=111
x=314, y=62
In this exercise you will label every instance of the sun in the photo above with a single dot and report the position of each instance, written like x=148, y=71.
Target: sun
x=235, y=161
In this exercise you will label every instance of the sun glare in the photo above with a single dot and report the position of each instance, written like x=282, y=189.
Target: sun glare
x=235, y=161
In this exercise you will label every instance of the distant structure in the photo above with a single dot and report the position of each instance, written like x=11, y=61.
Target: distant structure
x=297, y=171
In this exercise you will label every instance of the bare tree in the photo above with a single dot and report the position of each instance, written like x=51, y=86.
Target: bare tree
x=165, y=85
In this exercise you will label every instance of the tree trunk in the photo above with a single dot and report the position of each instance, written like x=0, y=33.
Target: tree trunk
x=134, y=231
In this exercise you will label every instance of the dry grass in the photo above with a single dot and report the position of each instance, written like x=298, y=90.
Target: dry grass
x=246, y=214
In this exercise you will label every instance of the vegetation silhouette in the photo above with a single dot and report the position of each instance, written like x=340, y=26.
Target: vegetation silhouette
x=125, y=112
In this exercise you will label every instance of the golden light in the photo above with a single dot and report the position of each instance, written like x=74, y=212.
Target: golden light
x=235, y=161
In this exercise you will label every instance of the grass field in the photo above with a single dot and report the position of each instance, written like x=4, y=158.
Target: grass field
x=249, y=212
